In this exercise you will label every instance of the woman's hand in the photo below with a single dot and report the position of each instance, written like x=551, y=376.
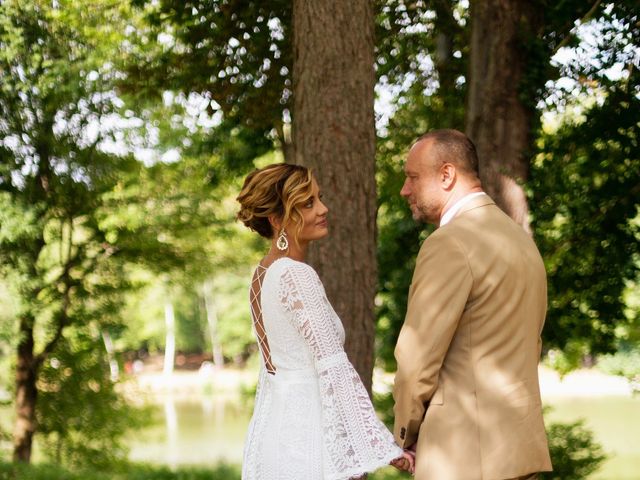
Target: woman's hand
x=406, y=462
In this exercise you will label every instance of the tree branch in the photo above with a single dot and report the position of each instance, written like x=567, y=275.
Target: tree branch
x=65, y=277
x=63, y=321
x=585, y=18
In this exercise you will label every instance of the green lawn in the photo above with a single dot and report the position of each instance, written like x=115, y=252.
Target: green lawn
x=10, y=471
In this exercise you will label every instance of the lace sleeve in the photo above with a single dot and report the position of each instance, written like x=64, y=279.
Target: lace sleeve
x=355, y=440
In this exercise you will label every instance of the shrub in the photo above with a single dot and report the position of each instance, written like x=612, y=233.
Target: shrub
x=574, y=452
x=625, y=363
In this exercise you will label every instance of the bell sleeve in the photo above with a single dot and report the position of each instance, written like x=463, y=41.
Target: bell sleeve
x=355, y=441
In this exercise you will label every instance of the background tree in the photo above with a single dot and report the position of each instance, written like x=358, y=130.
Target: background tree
x=248, y=53
x=510, y=50
x=73, y=218
x=499, y=115
x=236, y=53
x=334, y=134
x=586, y=195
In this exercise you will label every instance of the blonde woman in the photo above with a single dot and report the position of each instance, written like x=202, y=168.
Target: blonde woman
x=313, y=419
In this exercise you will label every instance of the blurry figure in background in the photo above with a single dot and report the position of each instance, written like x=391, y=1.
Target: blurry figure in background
x=313, y=419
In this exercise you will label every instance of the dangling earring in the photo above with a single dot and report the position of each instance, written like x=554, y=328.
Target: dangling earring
x=282, y=243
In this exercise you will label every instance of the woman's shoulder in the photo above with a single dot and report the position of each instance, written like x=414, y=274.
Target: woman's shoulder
x=290, y=267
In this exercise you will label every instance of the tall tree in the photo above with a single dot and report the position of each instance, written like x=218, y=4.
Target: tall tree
x=499, y=116
x=511, y=46
x=49, y=178
x=334, y=134
x=72, y=216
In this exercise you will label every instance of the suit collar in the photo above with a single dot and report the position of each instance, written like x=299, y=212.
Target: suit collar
x=479, y=201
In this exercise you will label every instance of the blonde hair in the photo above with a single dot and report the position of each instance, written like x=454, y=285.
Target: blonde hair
x=278, y=189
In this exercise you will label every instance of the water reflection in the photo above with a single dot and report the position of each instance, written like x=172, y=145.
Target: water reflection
x=202, y=431
x=208, y=429
x=171, y=422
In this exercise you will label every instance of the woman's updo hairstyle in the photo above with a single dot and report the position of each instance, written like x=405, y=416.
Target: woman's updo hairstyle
x=278, y=189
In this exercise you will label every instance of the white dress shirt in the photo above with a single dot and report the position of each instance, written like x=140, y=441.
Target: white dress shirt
x=455, y=208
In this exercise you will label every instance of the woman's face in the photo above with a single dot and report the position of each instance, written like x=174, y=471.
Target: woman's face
x=314, y=216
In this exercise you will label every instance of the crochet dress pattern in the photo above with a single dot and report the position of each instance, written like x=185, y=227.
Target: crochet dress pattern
x=313, y=419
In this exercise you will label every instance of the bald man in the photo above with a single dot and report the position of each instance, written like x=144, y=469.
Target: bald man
x=467, y=398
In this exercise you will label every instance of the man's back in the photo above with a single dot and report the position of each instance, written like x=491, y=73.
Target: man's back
x=479, y=287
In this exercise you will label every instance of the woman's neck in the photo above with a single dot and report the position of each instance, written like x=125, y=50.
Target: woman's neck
x=294, y=252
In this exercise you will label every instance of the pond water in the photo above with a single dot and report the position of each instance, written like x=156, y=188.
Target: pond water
x=188, y=432
x=206, y=429
x=205, y=433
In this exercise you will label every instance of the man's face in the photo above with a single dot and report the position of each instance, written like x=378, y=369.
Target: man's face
x=421, y=186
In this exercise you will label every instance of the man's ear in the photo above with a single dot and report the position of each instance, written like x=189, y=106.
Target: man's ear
x=448, y=175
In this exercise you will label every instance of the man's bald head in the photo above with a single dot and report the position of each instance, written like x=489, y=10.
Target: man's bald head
x=452, y=146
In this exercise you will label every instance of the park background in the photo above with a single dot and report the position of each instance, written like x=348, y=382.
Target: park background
x=126, y=128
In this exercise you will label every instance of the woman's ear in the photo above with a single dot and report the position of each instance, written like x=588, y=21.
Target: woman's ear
x=275, y=223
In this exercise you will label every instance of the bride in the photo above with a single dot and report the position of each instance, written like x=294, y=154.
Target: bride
x=313, y=419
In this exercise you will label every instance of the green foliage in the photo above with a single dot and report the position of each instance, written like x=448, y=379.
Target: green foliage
x=76, y=220
x=571, y=357
x=82, y=419
x=7, y=333
x=399, y=236
x=389, y=473
x=235, y=329
x=586, y=195
x=383, y=404
x=625, y=363
x=142, y=472
x=238, y=54
x=574, y=452
x=12, y=471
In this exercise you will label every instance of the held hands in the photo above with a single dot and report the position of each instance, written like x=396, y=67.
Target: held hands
x=407, y=461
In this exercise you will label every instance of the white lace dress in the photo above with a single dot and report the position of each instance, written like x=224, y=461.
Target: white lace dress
x=313, y=419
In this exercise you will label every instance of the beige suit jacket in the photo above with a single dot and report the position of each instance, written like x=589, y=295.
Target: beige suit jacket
x=466, y=389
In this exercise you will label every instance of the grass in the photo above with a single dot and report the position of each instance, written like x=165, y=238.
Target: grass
x=11, y=471
x=135, y=471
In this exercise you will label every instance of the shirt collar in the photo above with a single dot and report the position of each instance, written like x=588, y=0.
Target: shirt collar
x=455, y=208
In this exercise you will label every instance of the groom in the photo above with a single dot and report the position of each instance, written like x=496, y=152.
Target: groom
x=467, y=398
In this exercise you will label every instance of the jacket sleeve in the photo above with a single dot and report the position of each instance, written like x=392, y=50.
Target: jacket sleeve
x=355, y=441
x=438, y=294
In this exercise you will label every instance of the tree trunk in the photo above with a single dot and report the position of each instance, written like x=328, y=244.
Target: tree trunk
x=334, y=134
x=26, y=394
x=212, y=321
x=170, y=339
x=114, y=370
x=498, y=121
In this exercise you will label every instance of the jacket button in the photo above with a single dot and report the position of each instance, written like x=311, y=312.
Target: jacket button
x=403, y=432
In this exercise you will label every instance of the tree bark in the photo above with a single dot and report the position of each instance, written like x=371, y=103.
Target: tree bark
x=334, y=134
x=26, y=395
x=498, y=121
